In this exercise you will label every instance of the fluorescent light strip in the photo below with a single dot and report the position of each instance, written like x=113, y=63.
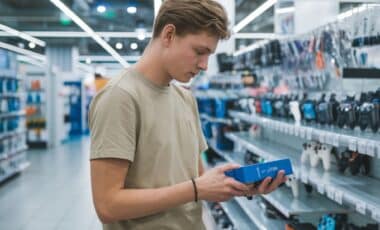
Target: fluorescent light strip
x=22, y=35
x=285, y=10
x=100, y=58
x=80, y=34
x=250, y=47
x=157, y=5
x=88, y=30
x=23, y=51
x=252, y=16
x=29, y=60
x=356, y=10
x=256, y=36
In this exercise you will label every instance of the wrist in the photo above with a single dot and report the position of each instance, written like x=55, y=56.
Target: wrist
x=200, y=188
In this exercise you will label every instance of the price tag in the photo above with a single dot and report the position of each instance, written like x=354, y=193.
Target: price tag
x=339, y=197
x=291, y=130
x=304, y=178
x=296, y=131
x=277, y=126
x=362, y=147
x=336, y=140
x=376, y=215
x=330, y=139
x=286, y=129
x=322, y=137
x=378, y=150
x=371, y=148
x=330, y=193
x=309, y=134
x=302, y=133
x=321, y=188
x=360, y=207
x=352, y=145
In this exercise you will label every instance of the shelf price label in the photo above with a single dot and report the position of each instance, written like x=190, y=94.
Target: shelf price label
x=360, y=207
x=321, y=188
x=335, y=139
x=371, y=151
x=339, y=197
x=362, y=147
x=309, y=134
x=296, y=131
x=330, y=193
x=304, y=178
x=378, y=150
x=291, y=130
x=376, y=214
x=322, y=137
x=352, y=145
x=302, y=133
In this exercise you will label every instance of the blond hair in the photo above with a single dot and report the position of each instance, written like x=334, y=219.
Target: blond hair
x=192, y=17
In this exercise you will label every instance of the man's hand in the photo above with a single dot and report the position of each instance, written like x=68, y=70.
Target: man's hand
x=215, y=186
x=267, y=185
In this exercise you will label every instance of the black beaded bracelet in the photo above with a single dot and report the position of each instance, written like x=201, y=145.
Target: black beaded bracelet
x=195, y=190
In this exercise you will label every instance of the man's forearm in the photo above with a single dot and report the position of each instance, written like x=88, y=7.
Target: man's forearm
x=133, y=203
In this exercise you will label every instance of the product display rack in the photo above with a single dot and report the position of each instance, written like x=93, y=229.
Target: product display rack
x=12, y=120
x=36, y=108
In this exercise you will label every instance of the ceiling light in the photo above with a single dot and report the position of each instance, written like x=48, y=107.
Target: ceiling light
x=252, y=16
x=22, y=35
x=101, y=9
x=119, y=46
x=32, y=45
x=131, y=9
x=141, y=37
x=88, y=30
x=356, y=10
x=88, y=61
x=134, y=45
x=29, y=60
x=285, y=10
x=23, y=51
x=21, y=45
x=157, y=5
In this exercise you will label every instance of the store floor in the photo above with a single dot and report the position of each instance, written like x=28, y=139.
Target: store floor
x=53, y=193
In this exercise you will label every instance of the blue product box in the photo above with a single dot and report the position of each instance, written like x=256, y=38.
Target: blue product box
x=257, y=172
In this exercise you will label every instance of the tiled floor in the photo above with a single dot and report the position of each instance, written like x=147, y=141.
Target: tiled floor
x=53, y=193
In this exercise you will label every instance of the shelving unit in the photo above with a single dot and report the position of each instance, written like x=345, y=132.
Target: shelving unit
x=238, y=217
x=359, y=192
x=356, y=140
x=36, y=108
x=12, y=119
x=215, y=119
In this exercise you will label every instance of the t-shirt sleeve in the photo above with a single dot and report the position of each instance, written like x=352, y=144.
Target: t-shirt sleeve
x=113, y=125
x=201, y=138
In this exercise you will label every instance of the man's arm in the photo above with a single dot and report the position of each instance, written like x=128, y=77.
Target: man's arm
x=200, y=166
x=114, y=203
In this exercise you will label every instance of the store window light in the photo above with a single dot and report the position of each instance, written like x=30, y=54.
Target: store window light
x=134, y=45
x=131, y=9
x=101, y=9
x=32, y=45
x=119, y=46
x=88, y=61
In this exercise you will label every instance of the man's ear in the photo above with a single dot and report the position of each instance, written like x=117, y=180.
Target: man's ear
x=168, y=34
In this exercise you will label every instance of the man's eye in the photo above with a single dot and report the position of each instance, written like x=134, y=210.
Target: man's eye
x=199, y=52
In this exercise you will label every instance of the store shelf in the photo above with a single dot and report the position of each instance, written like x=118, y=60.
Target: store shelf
x=5, y=156
x=257, y=214
x=37, y=144
x=238, y=217
x=356, y=140
x=360, y=192
x=34, y=103
x=216, y=120
x=11, y=134
x=12, y=114
x=222, y=94
x=18, y=94
x=14, y=171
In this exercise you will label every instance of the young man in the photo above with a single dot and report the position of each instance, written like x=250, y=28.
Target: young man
x=146, y=138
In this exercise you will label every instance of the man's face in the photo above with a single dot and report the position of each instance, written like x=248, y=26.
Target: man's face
x=188, y=55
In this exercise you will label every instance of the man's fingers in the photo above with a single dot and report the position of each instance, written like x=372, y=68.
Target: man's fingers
x=279, y=180
x=227, y=167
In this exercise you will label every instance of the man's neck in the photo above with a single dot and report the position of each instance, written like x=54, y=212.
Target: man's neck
x=151, y=67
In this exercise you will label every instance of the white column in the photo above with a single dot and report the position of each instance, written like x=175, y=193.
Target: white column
x=223, y=46
x=310, y=14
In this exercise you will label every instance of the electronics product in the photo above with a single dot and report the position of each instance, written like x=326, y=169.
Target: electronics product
x=347, y=113
x=257, y=172
x=295, y=110
x=309, y=149
x=323, y=152
x=308, y=110
x=293, y=183
x=356, y=162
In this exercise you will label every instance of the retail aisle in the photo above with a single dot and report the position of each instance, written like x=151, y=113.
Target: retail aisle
x=53, y=193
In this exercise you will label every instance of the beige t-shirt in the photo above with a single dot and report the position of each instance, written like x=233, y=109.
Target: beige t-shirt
x=158, y=130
